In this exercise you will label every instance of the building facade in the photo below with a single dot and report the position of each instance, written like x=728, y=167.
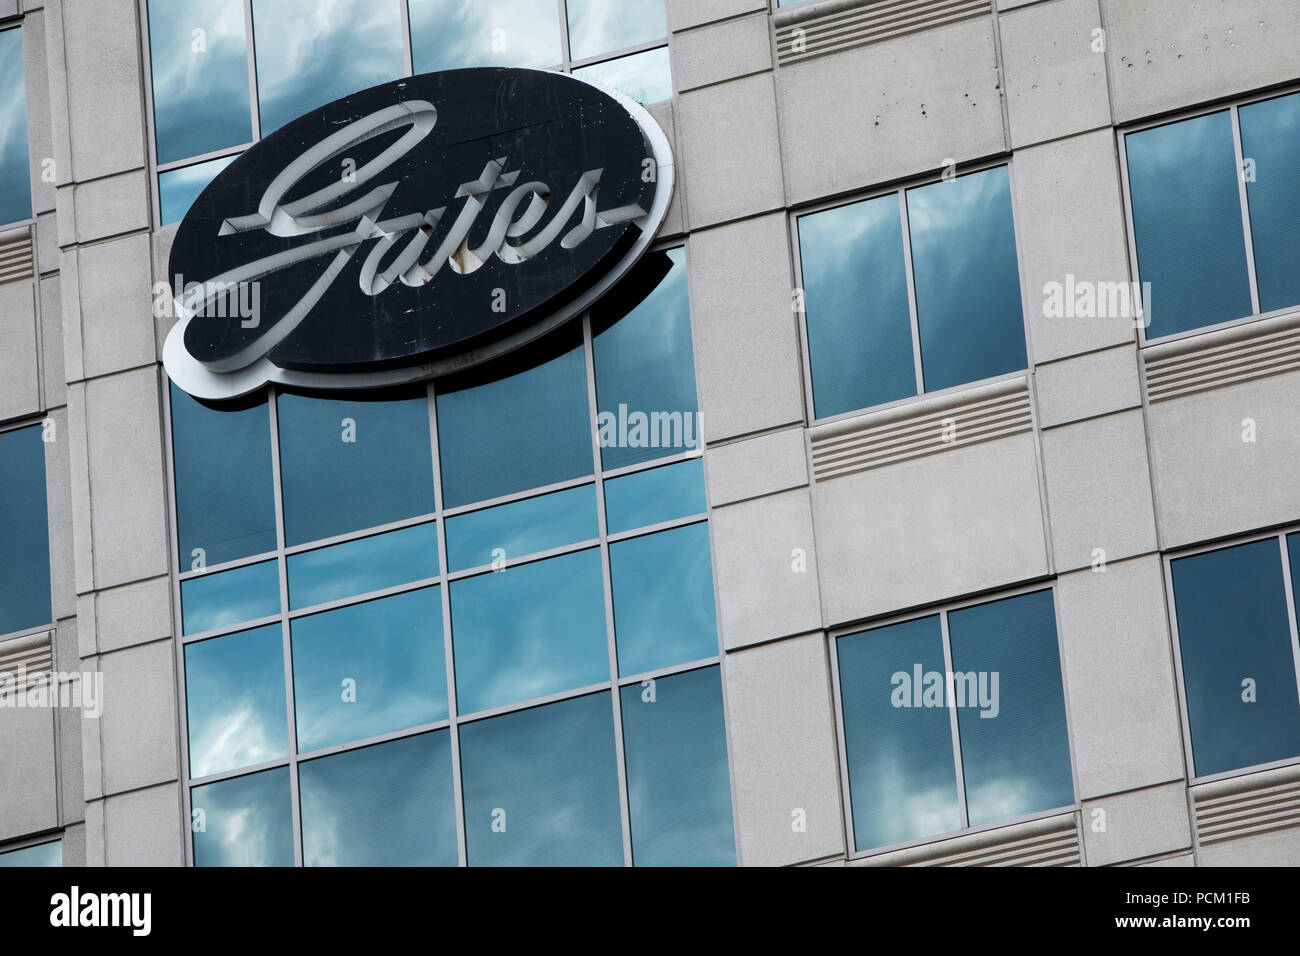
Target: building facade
x=925, y=496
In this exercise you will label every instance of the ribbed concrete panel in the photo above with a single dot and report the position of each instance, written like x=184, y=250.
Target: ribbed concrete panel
x=1053, y=841
x=1247, y=806
x=1219, y=359
x=802, y=34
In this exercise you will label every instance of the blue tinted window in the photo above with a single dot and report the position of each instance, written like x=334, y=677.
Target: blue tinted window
x=178, y=188
x=603, y=26
x=311, y=52
x=679, y=789
x=1270, y=137
x=897, y=739
x=199, y=58
x=387, y=805
x=645, y=377
x=529, y=631
x=547, y=778
x=225, y=495
x=353, y=464
x=44, y=854
x=363, y=565
x=247, y=821
x=369, y=669
x=1015, y=749
x=658, y=494
x=855, y=300
x=968, y=305
x=446, y=34
x=1187, y=220
x=15, y=169
x=663, y=599
x=645, y=77
x=230, y=597
x=1233, y=629
x=24, y=532
x=524, y=429
x=234, y=698
x=522, y=527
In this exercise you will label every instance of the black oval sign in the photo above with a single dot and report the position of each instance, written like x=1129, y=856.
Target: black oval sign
x=412, y=228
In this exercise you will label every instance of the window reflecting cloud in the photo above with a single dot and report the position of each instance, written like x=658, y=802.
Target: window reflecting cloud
x=645, y=77
x=230, y=597
x=178, y=188
x=15, y=171
x=24, y=532
x=446, y=34
x=246, y=821
x=363, y=565
x=1270, y=139
x=597, y=27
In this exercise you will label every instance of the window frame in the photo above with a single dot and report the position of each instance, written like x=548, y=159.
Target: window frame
x=443, y=581
x=1232, y=106
x=566, y=65
x=1280, y=534
x=943, y=610
x=14, y=426
x=900, y=187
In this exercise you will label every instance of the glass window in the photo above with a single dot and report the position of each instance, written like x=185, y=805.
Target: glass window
x=968, y=305
x=597, y=27
x=200, y=76
x=645, y=77
x=390, y=804
x=966, y=288
x=446, y=34
x=645, y=377
x=178, y=188
x=522, y=527
x=15, y=168
x=658, y=494
x=231, y=597
x=541, y=788
x=1187, y=222
x=225, y=496
x=311, y=52
x=363, y=565
x=1239, y=671
x=899, y=699
x=526, y=428
x=43, y=854
x=663, y=599
x=529, y=631
x=369, y=669
x=678, y=785
x=348, y=464
x=244, y=821
x=24, y=532
x=1270, y=142
x=855, y=299
x=234, y=699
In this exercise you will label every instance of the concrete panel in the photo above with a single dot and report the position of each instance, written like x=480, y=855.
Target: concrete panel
x=724, y=51
x=1087, y=385
x=1208, y=481
x=727, y=131
x=101, y=45
x=665, y=114
x=757, y=466
x=74, y=845
x=746, y=342
x=888, y=110
x=129, y=521
x=1056, y=81
x=39, y=132
x=1070, y=222
x=1138, y=824
x=111, y=206
x=782, y=736
x=134, y=614
x=138, y=727
x=79, y=469
x=161, y=242
x=928, y=529
x=58, y=495
x=71, y=783
x=28, y=803
x=70, y=305
x=144, y=828
x=19, y=387
x=1166, y=54
x=766, y=569
x=684, y=14
x=1119, y=674
x=51, y=317
x=1099, y=490
x=1179, y=861
x=116, y=305
x=1279, y=848
x=47, y=243
x=92, y=750
x=94, y=833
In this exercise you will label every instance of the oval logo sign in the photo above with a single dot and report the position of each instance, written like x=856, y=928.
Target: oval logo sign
x=413, y=229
